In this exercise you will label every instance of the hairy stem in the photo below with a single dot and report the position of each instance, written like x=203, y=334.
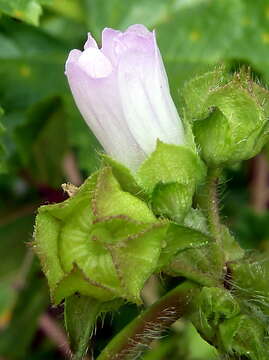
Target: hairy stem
x=212, y=207
x=136, y=336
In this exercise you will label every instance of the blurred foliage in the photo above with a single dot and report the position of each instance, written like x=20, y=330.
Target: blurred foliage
x=40, y=126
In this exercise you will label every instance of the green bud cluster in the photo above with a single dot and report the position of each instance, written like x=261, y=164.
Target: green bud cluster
x=102, y=242
x=229, y=116
x=235, y=318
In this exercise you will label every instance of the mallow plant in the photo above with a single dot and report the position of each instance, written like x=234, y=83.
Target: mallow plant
x=152, y=207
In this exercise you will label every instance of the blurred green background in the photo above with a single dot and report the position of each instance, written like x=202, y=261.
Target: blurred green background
x=45, y=142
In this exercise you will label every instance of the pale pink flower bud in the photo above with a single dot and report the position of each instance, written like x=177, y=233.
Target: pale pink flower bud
x=123, y=94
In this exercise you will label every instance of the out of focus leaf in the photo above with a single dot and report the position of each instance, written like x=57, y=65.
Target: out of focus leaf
x=31, y=303
x=14, y=235
x=2, y=149
x=42, y=141
x=192, y=35
x=25, y=10
x=8, y=297
x=33, y=73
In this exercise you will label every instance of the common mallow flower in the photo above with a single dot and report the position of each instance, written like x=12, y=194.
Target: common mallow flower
x=123, y=93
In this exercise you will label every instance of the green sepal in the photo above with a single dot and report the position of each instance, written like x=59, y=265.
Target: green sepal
x=136, y=259
x=243, y=336
x=81, y=314
x=77, y=282
x=209, y=134
x=231, y=248
x=213, y=306
x=191, y=252
x=203, y=264
x=169, y=164
x=124, y=176
x=196, y=220
x=179, y=238
x=172, y=200
x=197, y=91
x=170, y=175
x=110, y=200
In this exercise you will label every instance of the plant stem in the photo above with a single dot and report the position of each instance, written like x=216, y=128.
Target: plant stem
x=212, y=207
x=136, y=336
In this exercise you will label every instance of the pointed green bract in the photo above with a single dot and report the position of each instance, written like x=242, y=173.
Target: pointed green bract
x=110, y=200
x=46, y=234
x=179, y=238
x=136, y=259
x=172, y=200
x=77, y=282
x=124, y=177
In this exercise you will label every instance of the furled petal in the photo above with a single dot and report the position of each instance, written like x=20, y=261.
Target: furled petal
x=123, y=93
x=99, y=103
x=146, y=100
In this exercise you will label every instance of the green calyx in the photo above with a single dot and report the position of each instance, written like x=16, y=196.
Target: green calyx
x=229, y=116
x=102, y=242
x=170, y=176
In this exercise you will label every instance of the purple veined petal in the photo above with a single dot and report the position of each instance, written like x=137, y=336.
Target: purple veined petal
x=108, y=37
x=90, y=43
x=99, y=103
x=95, y=63
x=115, y=43
x=147, y=103
x=139, y=29
x=72, y=57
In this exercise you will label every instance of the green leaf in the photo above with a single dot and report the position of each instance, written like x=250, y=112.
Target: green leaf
x=12, y=246
x=8, y=297
x=44, y=128
x=32, y=301
x=3, y=168
x=25, y=10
